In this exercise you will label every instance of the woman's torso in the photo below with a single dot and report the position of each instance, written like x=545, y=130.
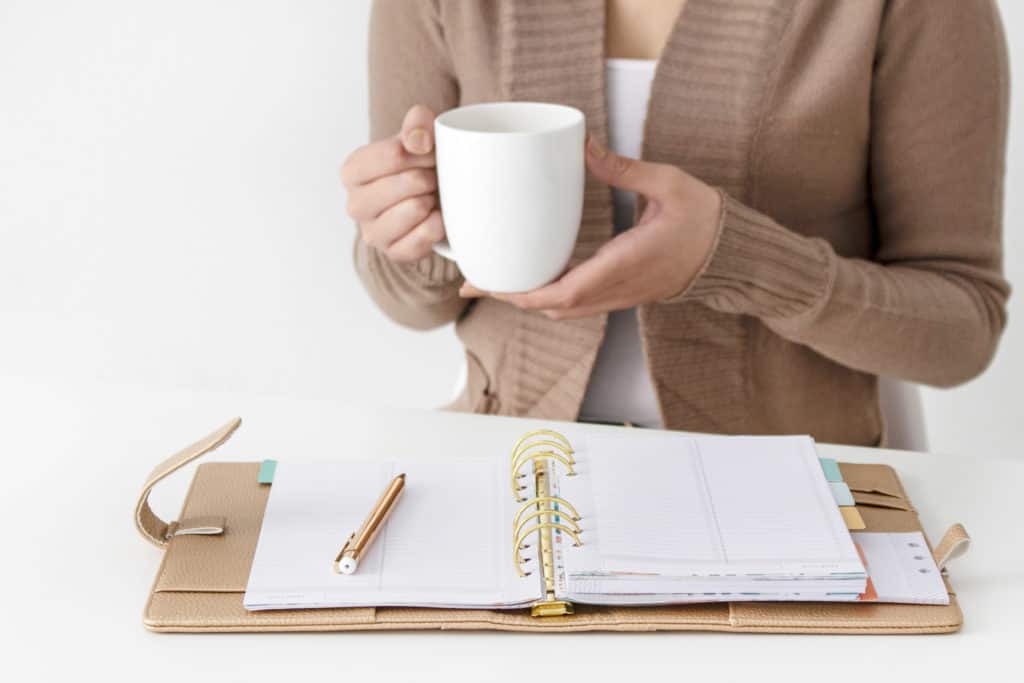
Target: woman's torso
x=770, y=102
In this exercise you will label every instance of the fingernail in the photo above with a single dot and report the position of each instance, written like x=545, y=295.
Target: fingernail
x=595, y=148
x=417, y=141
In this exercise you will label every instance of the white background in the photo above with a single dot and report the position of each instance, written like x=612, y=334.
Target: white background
x=170, y=214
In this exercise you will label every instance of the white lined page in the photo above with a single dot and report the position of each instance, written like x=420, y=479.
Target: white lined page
x=902, y=568
x=305, y=526
x=446, y=543
x=767, y=502
x=662, y=487
x=442, y=537
x=670, y=507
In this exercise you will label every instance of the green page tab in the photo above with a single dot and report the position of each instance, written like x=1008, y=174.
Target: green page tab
x=267, y=469
x=831, y=468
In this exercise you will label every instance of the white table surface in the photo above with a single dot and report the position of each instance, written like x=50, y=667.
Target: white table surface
x=75, y=573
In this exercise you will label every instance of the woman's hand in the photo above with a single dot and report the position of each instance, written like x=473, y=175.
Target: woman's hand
x=392, y=190
x=654, y=260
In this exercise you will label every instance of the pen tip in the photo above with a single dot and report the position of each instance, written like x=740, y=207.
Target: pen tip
x=401, y=476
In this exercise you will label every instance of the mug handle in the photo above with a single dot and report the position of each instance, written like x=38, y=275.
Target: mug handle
x=444, y=249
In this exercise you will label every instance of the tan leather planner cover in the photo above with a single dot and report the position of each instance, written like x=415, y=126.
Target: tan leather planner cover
x=207, y=554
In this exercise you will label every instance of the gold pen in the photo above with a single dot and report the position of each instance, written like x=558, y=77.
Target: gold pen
x=348, y=559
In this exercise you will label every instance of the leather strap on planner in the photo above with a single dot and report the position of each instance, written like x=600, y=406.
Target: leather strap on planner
x=154, y=529
x=954, y=543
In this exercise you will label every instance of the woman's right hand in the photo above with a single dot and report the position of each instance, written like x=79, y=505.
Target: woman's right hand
x=392, y=190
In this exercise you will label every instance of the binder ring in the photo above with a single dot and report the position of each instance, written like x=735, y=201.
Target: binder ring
x=517, y=557
x=542, y=432
x=527, y=457
x=538, y=456
x=546, y=513
x=519, y=455
x=575, y=516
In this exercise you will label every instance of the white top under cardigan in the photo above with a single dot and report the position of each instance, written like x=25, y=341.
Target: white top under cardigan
x=620, y=388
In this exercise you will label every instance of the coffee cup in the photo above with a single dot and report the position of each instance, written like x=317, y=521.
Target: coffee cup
x=510, y=177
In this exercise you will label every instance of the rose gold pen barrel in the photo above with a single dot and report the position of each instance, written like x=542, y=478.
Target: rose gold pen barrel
x=348, y=559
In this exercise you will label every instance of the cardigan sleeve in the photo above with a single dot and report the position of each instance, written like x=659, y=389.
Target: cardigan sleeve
x=408, y=65
x=931, y=306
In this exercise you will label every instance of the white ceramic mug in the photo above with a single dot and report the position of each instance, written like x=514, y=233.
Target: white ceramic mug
x=510, y=176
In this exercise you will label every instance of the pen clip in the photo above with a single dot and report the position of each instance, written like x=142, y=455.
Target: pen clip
x=341, y=553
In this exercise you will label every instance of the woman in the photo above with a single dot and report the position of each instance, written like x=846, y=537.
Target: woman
x=822, y=195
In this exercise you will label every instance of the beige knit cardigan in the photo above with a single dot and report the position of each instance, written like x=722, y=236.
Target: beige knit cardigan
x=862, y=148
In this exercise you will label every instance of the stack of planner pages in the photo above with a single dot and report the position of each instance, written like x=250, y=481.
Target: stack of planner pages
x=640, y=518
x=708, y=519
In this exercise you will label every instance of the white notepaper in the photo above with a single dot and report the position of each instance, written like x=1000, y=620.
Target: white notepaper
x=665, y=518
x=668, y=513
x=771, y=502
x=902, y=568
x=446, y=542
x=667, y=493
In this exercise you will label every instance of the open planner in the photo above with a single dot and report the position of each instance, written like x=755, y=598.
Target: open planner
x=573, y=528
x=618, y=518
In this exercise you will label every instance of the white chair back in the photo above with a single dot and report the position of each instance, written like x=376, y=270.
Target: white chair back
x=901, y=410
x=903, y=414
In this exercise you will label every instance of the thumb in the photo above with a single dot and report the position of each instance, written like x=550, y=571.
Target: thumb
x=417, y=134
x=633, y=175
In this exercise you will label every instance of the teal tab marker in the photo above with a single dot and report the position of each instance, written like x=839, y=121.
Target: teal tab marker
x=841, y=492
x=831, y=468
x=267, y=469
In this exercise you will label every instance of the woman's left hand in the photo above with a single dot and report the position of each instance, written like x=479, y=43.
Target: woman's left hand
x=654, y=260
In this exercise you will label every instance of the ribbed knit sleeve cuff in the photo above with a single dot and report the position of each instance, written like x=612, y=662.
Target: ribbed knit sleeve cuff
x=759, y=268
x=432, y=271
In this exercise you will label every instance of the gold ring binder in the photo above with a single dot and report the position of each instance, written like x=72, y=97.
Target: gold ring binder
x=569, y=522
x=545, y=508
x=539, y=527
x=573, y=515
x=558, y=443
x=535, y=457
x=525, y=448
x=542, y=432
x=523, y=455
